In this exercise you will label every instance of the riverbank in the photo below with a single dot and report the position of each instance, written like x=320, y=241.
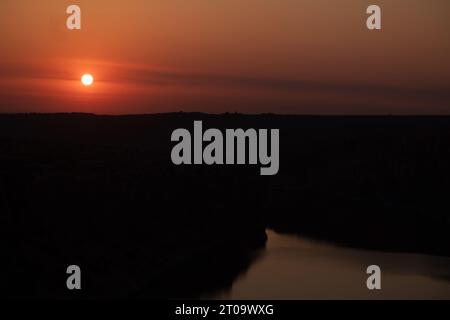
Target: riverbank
x=102, y=192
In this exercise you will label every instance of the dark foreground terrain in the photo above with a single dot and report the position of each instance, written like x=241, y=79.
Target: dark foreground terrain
x=101, y=192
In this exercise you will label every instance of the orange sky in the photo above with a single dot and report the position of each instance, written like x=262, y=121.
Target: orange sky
x=285, y=56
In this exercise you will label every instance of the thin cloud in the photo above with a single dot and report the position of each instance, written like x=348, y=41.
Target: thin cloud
x=142, y=75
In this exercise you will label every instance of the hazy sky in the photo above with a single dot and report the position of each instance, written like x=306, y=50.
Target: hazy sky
x=285, y=56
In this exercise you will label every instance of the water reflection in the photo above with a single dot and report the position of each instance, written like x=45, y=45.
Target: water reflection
x=293, y=267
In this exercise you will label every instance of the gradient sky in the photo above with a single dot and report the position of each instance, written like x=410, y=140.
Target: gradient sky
x=282, y=56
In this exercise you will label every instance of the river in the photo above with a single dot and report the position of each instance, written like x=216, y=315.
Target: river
x=293, y=267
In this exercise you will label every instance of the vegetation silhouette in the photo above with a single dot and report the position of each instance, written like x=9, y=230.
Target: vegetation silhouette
x=101, y=192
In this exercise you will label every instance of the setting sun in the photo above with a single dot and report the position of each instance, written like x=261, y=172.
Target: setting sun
x=87, y=80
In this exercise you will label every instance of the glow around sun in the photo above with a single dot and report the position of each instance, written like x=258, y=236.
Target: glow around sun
x=87, y=79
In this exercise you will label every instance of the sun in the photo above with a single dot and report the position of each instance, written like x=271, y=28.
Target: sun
x=87, y=79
